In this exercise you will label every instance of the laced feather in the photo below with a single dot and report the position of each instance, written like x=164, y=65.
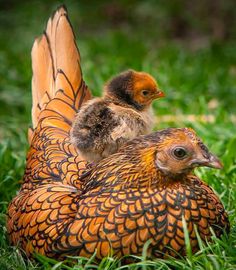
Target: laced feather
x=57, y=81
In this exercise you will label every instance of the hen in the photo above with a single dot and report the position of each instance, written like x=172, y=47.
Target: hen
x=141, y=193
x=104, y=124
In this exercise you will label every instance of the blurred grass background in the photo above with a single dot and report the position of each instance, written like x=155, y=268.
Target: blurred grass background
x=188, y=46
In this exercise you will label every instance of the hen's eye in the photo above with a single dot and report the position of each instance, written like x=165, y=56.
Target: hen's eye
x=180, y=153
x=145, y=92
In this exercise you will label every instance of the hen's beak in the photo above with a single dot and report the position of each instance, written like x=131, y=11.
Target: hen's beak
x=212, y=162
x=159, y=94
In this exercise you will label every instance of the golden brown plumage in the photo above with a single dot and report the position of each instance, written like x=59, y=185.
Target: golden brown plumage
x=140, y=193
x=104, y=124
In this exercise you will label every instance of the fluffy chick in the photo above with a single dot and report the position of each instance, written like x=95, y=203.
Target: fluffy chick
x=102, y=125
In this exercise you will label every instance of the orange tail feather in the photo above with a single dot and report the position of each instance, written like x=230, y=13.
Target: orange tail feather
x=57, y=83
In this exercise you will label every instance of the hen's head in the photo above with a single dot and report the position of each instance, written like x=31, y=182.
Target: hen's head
x=169, y=154
x=137, y=89
x=177, y=151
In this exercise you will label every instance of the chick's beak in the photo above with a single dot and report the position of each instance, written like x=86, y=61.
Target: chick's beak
x=159, y=94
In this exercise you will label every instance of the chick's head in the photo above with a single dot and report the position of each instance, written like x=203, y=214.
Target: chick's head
x=179, y=151
x=145, y=89
x=137, y=89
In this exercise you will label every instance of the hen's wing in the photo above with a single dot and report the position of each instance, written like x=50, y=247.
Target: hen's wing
x=57, y=220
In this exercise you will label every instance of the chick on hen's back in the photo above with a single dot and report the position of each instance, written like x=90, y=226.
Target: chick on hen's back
x=102, y=125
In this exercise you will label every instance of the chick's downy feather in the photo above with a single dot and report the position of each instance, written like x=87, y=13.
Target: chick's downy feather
x=102, y=125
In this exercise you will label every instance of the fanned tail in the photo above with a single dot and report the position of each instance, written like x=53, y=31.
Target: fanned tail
x=58, y=88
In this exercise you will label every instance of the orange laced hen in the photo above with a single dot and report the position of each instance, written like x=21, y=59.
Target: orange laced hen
x=143, y=192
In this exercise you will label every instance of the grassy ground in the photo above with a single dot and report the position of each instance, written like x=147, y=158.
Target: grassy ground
x=198, y=77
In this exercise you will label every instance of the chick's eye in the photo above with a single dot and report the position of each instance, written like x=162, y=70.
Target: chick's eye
x=180, y=153
x=145, y=92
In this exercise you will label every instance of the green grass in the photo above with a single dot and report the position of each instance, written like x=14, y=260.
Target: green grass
x=198, y=80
